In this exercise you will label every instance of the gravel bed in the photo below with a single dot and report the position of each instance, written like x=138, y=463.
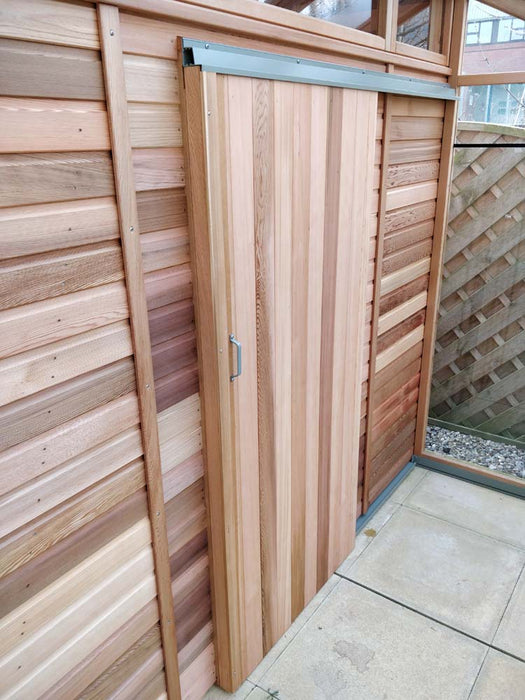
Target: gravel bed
x=487, y=453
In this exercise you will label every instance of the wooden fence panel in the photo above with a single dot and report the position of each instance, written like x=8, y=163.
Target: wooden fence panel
x=478, y=378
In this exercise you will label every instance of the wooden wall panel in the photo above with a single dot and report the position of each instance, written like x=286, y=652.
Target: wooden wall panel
x=79, y=615
x=406, y=234
x=74, y=489
x=367, y=349
x=152, y=88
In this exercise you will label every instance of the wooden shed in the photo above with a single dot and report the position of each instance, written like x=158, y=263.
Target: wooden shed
x=221, y=225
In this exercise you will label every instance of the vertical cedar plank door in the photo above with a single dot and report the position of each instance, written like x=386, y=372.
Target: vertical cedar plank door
x=280, y=245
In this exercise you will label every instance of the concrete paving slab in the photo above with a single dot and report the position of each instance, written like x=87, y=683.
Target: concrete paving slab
x=359, y=645
x=478, y=508
x=511, y=632
x=501, y=678
x=452, y=574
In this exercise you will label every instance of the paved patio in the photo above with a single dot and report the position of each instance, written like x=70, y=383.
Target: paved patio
x=430, y=604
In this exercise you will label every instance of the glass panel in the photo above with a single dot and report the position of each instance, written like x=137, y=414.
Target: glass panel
x=494, y=104
x=477, y=403
x=495, y=41
x=359, y=14
x=413, y=23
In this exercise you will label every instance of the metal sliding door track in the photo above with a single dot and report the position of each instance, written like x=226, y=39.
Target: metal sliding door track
x=231, y=60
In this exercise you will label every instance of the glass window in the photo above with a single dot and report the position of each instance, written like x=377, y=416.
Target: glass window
x=420, y=23
x=494, y=42
x=485, y=32
x=358, y=14
x=413, y=23
x=496, y=104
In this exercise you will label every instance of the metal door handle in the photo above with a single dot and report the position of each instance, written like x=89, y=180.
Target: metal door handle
x=239, y=357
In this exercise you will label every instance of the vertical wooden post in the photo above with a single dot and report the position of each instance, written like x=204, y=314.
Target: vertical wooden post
x=109, y=27
x=385, y=144
x=440, y=230
x=388, y=23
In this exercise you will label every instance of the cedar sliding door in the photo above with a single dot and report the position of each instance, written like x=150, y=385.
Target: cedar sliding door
x=280, y=185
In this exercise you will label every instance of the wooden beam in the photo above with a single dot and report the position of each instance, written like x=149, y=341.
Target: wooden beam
x=385, y=145
x=112, y=60
x=388, y=23
x=440, y=228
x=489, y=79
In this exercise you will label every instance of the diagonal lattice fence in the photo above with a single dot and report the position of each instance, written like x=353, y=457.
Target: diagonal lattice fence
x=479, y=363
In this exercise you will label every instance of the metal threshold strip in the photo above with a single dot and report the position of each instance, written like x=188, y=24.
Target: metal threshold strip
x=231, y=60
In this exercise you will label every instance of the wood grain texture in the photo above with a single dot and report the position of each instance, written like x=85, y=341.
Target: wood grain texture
x=413, y=151
x=292, y=133
x=227, y=609
x=62, y=23
x=47, y=227
x=34, y=370
x=51, y=320
x=54, y=177
x=38, y=413
x=35, y=126
x=46, y=70
x=25, y=280
x=122, y=139
x=48, y=450
x=154, y=125
x=158, y=168
x=150, y=80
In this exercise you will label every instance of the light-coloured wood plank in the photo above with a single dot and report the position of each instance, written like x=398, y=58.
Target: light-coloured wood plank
x=46, y=227
x=163, y=249
x=121, y=143
x=154, y=125
x=404, y=106
x=40, y=368
x=414, y=128
x=404, y=275
x=394, y=351
x=98, y=616
x=35, y=278
x=151, y=80
x=232, y=492
x=38, y=413
x=182, y=476
x=401, y=312
x=33, y=126
x=27, y=618
x=62, y=23
x=43, y=322
x=180, y=432
x=161, y=209
x=168, y=286
x=199, y=675
x=158, y=168
x=58, y=485
x=44, y=452
x=93, y=665
x=45, y=70
x=54, y=177
x=38, y=537
x=411, y=194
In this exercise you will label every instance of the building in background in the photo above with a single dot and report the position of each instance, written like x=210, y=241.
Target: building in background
x=495, y=42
